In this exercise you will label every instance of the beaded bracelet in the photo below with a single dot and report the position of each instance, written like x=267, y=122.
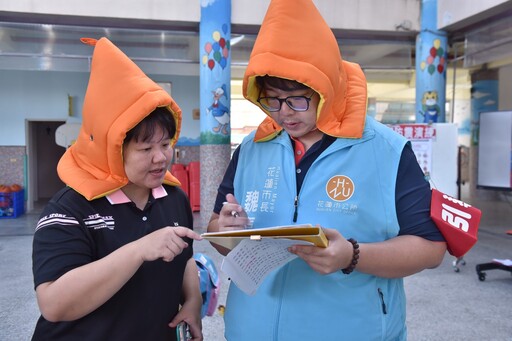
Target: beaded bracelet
x=355, y=257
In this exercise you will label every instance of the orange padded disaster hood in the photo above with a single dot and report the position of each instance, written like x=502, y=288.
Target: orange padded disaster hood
x=119, y=95
x=295, y=42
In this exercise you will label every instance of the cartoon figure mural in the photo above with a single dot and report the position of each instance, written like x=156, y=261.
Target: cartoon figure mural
x=432, y=76
x=430, y=107
x=219, y=111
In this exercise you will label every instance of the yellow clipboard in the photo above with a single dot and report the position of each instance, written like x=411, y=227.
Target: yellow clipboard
x=306, y=232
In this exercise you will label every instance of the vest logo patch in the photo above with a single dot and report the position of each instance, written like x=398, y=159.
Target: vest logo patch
x=340, y=188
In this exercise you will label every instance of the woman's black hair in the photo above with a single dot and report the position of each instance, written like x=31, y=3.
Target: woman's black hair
x=279, y=83
x=160, y=117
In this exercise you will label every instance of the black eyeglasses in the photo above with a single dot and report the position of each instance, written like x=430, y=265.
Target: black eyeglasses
x=296, y=103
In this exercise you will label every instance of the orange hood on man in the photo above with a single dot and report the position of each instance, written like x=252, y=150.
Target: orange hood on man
x=119, y=95
x=295, y=42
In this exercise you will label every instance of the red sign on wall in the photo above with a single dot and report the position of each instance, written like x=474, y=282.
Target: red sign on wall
x=415, y=131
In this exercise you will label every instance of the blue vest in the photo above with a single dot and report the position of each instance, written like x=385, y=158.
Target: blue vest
x=349, y=187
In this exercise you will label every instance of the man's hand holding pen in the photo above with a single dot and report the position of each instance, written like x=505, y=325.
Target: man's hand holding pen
x=232, y=216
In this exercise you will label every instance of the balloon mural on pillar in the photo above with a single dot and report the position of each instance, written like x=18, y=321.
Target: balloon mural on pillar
x=436, y=60
x=216, y=51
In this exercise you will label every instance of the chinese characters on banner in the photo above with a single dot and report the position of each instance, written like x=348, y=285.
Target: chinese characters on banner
x=421, y=136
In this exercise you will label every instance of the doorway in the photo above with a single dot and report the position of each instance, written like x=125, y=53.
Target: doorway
x=43, y=154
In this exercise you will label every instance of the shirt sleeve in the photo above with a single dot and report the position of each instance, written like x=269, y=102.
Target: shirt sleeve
x=413, y=195
x=226, y=186
x=60, y=244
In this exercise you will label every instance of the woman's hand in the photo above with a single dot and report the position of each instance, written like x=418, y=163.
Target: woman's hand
x=165, y=243
x=190, y=314
x=190, y=311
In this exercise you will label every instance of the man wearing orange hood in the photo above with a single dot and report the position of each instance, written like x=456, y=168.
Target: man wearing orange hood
x=318, y=159
x=112, y=252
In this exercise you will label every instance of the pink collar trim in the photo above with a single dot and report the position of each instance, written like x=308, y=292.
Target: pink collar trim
x=118, y=197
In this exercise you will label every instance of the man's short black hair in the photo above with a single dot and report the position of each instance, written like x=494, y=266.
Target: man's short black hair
x=279, y=83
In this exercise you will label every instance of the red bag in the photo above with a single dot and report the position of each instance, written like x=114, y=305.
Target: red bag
x=457, y=221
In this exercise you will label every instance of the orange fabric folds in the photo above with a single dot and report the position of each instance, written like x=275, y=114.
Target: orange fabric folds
x=119, y=95
x=296, y=43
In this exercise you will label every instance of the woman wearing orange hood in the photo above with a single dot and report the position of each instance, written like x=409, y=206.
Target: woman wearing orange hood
x=112, y=252
x=318, y=159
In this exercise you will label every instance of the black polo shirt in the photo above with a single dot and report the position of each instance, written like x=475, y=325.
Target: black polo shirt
x=411, y=187
x=73, y=232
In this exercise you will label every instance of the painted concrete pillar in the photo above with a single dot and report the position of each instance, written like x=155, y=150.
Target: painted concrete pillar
x=431, y=45
x=215, y=93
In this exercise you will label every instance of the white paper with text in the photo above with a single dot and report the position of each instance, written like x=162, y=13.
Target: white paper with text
x=251, y=261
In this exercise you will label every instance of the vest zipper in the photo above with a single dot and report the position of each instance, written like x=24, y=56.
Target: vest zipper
x=381, y=295
x=296, y=206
